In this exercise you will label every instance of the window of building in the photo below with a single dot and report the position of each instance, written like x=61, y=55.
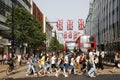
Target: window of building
x=2, y=8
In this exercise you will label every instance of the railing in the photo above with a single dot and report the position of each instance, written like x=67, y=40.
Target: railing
x=108, y=60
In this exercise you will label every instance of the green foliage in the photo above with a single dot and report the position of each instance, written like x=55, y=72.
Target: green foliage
x=55, y=45
x=26, y=28
x=61, y=46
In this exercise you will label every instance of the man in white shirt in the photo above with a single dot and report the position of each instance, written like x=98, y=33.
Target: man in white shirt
x=91, y=53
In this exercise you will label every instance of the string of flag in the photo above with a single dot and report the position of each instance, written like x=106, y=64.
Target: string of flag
x=70, y=27
x=70, y=24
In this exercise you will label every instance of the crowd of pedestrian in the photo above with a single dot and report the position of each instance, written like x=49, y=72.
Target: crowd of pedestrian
x=66, y=63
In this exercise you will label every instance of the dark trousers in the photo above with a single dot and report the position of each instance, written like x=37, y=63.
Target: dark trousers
x=101, y=66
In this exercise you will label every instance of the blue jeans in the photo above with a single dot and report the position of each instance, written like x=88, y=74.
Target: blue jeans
x=66, y=66
x=29, y=68
x=92, y=71
x=72, y=69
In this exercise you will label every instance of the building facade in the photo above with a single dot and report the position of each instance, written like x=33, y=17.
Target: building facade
x=48, y=30
x=39, y=16
x=5, y=9
x=88, y=23
x=46, y=25
x=6, y=6
x=105, y=24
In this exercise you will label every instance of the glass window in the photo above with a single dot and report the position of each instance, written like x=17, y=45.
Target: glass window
x=91, y=39
x=8, y=3
x=87, y=39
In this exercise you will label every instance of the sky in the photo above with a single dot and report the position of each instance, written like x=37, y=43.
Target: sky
x=64, y=9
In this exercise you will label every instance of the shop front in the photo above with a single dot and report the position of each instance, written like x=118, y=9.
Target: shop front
x=4, y=47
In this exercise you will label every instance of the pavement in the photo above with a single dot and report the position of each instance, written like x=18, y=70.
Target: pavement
x=19, y=74
x=17, y=70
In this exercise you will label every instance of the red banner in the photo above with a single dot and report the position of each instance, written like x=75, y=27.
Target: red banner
x=75, y=34
x=60, y=25
x=65, y=34
x=69, y=24
x=80, y=24
x=70, y=34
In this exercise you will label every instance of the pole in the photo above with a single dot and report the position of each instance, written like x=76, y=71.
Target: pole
x=13, y=28
x=99, y=48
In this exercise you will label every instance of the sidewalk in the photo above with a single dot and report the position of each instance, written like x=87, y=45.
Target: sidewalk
x=20, y=72
x=5, y=66
x=3, y=70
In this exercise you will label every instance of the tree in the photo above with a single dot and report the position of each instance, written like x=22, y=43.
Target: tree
x=61, y=47
x=26, y=28
x=55, y=45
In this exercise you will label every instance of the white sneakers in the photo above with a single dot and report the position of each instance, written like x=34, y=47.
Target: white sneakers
x=35, y=74
x=66, y=75
x=56, y=75
x=26, y=74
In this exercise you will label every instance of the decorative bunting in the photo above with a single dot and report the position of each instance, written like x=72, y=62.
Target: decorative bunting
x=75, y=34
x=69, y=25
x=70, y=34
x=65, y=34
x=60, y=25
x=80, y=24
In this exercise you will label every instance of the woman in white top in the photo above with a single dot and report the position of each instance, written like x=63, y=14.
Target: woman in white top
x=53, y=62
x=19, y=59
